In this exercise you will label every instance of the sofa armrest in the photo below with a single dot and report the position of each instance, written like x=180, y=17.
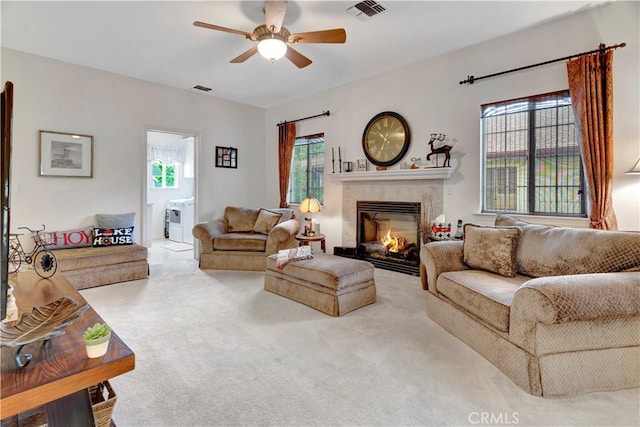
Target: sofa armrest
x=572, y=298
x=207, y=231
x=437, y=258
x=559, y=299
x=282, y=236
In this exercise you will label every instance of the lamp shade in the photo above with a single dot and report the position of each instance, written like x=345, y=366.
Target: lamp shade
x=272, y=48
x=634, y=170
x=310, y=205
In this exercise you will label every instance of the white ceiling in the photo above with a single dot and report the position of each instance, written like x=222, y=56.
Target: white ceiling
x=156, y=41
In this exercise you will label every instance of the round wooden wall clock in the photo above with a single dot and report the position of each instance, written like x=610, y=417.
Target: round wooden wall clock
x=386, y=139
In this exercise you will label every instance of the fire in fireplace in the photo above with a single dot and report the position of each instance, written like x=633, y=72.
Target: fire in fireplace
x=389, y=235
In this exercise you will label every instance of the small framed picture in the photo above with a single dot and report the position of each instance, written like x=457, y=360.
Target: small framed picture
x=226, y=157
x=362, y=165
x=66, y=154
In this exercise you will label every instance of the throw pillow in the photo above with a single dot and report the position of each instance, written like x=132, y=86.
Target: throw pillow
x=266, y=221
x=240, y=219
x=491, y=248
x=112, y=236
x=546, y=250
x=115, y=220
x=287, y=214
x=78, y=238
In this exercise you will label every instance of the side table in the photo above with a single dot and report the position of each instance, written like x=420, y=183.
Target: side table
x=60, y=372
x=306, y=240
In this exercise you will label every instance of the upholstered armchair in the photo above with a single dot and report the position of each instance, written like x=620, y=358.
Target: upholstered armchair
x=244, y=237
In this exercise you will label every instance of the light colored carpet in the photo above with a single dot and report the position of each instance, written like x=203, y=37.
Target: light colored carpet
x=178, y=247
x=214, y=349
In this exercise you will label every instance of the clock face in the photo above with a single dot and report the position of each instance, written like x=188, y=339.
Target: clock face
x=386, y=139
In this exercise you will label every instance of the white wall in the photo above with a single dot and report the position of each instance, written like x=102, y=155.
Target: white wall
x=429, y=96
x=116, y=110
x=58, y=96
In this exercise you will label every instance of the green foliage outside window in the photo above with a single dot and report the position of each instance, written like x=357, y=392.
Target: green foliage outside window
x=307, y=169
x=531, y=157
x=164, y=175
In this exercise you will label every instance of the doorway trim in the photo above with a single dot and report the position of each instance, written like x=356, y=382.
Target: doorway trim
x=145, y=221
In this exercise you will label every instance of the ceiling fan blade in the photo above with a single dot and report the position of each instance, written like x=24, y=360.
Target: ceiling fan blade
x=336, y=35
x=274, y=11
x=224, y=29
x=245, y=55
x=298, y=59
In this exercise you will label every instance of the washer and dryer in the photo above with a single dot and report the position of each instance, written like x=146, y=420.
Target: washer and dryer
x=180, y=213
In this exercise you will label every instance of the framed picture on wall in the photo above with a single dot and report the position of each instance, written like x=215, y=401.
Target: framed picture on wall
x=66, y=154
x=226, y=157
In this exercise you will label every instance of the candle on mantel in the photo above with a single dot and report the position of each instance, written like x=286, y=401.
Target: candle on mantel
x=340, y=155
x=333, y=158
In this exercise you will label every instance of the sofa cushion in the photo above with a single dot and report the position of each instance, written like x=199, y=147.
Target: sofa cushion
x=266, y=221
x=287, y=214
x=491, y=248
x=327, y=271
x=253, y=242
x=555, y=251
x=78, y=258
x=240, y=219
x=483, y=294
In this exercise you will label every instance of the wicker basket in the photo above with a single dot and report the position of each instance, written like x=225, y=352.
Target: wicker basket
x=101, y=405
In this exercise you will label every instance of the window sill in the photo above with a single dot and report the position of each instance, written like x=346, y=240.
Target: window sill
x=164, y=189
x=559, y=221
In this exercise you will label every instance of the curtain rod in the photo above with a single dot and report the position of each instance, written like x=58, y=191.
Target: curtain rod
x=601, y=49
x=324, y=113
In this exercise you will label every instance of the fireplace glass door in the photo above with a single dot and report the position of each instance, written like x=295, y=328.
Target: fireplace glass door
x=388, y=235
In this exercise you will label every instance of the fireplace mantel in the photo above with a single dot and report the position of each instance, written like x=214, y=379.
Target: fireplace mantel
x=394, y=174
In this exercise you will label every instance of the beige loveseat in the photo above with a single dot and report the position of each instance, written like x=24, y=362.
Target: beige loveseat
x=244, y=237
x=555, y=309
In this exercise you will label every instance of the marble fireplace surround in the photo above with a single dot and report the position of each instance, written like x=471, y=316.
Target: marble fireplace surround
x=387, y=191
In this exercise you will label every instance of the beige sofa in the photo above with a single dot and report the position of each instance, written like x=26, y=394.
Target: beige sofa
x=244, y=237
x=555, y=309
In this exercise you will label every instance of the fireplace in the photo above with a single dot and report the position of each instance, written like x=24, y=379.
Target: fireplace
x=389, y=235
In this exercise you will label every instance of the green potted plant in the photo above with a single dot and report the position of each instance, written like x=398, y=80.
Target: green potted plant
x=96, y=339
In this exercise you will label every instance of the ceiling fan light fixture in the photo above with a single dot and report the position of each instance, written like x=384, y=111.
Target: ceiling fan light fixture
x=272, y=48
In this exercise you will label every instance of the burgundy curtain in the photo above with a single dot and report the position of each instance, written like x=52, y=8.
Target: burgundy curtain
x=591, y=88
x=286, y=141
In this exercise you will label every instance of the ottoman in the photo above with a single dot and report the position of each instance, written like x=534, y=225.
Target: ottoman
x=331, y=284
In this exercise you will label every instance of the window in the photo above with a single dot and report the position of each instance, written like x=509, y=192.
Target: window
x=531, y=157
x=500, y=187
x=307, y=169
x=164, y=175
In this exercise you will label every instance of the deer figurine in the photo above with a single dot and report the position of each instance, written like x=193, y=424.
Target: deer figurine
x=442, y=149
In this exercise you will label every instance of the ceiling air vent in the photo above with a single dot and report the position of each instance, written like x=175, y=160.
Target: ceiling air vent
x=366, y=10
x=202, y=88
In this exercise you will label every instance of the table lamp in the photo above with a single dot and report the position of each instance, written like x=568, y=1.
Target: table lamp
x=309, y=206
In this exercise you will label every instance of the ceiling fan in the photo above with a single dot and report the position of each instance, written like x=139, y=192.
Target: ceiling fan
x=273, y=38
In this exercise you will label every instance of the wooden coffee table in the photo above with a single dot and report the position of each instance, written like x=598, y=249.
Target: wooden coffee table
x=60, y=372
